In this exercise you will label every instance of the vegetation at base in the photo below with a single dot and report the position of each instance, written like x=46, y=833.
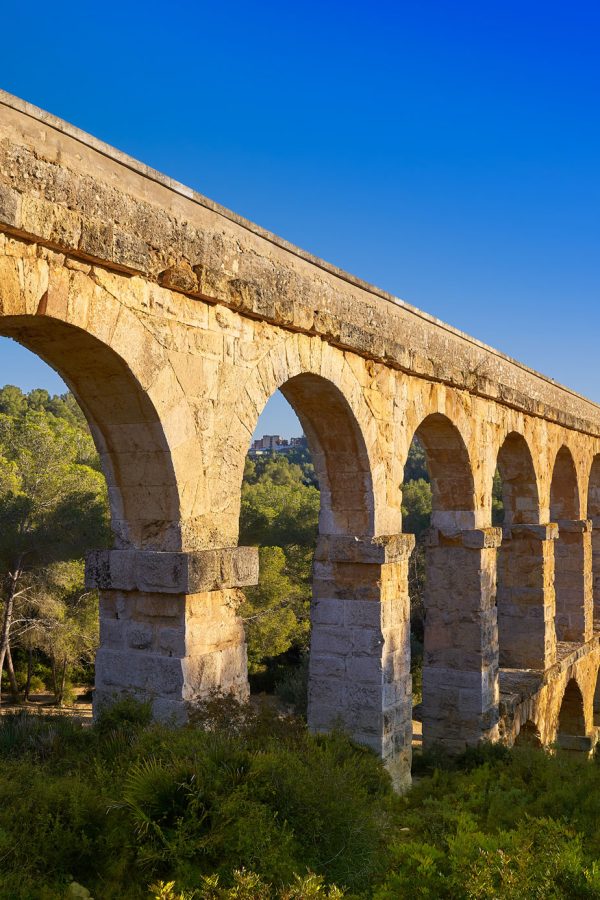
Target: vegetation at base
x=246, y=804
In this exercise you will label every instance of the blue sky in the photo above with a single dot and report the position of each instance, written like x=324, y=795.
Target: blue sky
x=449, y=153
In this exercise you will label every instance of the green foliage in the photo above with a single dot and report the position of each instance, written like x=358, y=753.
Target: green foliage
x=416, y=463
x=278, y=508
x=416, y=506
x=126, y=714
x=13, y=402
x=53, y=508
x=247, y=804
x=276, y=610
x=123, y=804
x=249, y=886
x=279, y=513
x=292, y=685
x=497, y=500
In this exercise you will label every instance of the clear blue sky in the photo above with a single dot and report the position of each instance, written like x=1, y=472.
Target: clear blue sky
x=447, y=152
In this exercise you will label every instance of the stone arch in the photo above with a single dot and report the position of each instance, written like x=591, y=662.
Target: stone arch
x=340, y=427
x=339, y=454
x=572, y=552
x=357, y=595
x=564, y=488
x=593, y=493
x=571, y=731
x=528, y=736
x=593, y=513
x=460, y=673
x=596, y=701
x=125, y=424
x=521, y=595
x=450, y=471
x=519, y=481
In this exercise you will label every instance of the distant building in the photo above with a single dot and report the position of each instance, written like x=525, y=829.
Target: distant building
x=274, y=443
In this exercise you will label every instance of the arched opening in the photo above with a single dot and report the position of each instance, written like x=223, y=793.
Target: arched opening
x=571, y=734
x=125, y=426
x=528, y=736
x=459, y=675
x=449, y=466
x=593, y=513
x=338, y=452
x=564, y=494
x=596, y=708
x=569, y=550
x=345, y=661
x=279, y=515
x=143, y=495
x=53, y=507
x=523, y=640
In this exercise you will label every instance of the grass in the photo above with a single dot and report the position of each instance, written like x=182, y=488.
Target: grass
x=246, y=804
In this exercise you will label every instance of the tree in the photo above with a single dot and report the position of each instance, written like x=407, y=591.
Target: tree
x=280, y=514
x=273, y=612
x=13, y=401
x=52, y=506
x=416, y=506
x=65, y=617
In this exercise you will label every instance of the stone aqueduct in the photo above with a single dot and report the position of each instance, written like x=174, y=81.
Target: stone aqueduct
x=174, y=321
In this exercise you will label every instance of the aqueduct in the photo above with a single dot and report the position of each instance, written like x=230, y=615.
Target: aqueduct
x=173, y=321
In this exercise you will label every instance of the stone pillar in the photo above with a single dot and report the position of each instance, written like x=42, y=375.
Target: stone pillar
x=359, y=676
x=460, y=658
x=169, y=630
x=595, y=520
x=573, y=580
x=525, y=597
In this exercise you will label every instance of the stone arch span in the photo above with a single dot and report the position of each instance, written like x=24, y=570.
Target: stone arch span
x=460, y=663
x=339, y=454
x=450, y=472
x=132, y=402
x=125, y=425
x=596, y=701
x=571, y=728
x=572, y=553
x=524, y=575
x=529, y=736
x=520, y=492
x=340, y=427
x=564, y=487
x=359, y=628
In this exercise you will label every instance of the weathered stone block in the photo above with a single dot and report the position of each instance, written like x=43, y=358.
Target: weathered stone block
x=170, y=572
x=10, y=207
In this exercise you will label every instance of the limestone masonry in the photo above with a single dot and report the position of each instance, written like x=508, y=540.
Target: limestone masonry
x=173, y=321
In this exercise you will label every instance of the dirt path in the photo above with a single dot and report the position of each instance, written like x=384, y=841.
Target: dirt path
x=44, y=704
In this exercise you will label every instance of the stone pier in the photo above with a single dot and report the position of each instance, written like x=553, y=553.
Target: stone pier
x=526, y=605
x=360, y=644
x=169, y=629
x=573, y=580
x=460, y=665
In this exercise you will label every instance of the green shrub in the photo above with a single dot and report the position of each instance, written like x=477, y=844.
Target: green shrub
x=246, y=803
x=292, y=686
x=36, y=685
x=127, y=712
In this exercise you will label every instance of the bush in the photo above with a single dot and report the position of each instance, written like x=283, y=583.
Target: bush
x=292, y=686
x=246, y=803
x=126, y=713
x=37, y=685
